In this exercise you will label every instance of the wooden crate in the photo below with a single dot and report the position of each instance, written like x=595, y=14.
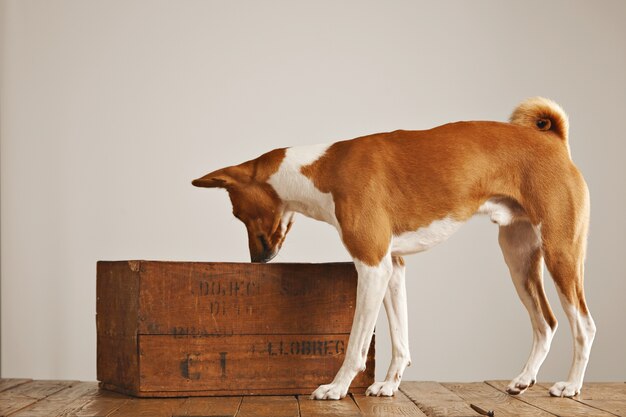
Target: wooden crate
x=169, y=329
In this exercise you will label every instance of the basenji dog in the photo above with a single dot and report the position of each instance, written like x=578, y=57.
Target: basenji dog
x=402, y=192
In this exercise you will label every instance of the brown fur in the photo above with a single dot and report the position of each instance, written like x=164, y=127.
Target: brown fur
x=254, y=201
x=389, y=183
x=543, y=114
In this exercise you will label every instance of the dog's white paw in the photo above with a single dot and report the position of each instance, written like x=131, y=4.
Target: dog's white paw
x=329, y=392
x=565, y=389
x=521, y=383
x=382, y=389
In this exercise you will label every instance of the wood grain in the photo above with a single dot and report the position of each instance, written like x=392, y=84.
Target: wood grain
x=57, y=403
x=317, y=408
x=539, y=397
x=489, y=398
x=397, y=406
x=606, y=396
x=117, y=309
x=101, y=404
x=149, y=407
x=209, y=407
x=284, y=406
x=190, y=328
x=73, y=399
x=243, y=363
x=183, y=298
x=22, y=396
x=8, y=383
x=602, y=391
x=436, y=400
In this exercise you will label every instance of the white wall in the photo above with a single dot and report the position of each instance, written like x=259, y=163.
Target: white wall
x=109, y=109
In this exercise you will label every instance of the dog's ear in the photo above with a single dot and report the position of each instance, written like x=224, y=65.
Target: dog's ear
x=223, y=178
x=216, y=179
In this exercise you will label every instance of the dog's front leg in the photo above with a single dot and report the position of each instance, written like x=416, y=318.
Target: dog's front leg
x=371, y=288
x=396, y=308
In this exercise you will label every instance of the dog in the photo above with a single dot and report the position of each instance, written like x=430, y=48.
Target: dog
x=402, y=192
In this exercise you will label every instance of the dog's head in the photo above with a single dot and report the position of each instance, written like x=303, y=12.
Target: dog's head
x=256, y=204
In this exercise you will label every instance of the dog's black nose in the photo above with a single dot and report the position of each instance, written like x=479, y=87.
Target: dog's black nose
x=263, y=258
x=259, y=260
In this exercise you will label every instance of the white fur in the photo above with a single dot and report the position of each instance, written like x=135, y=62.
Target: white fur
x=519, y=241
x=285, y=221
x=297, y=191
x=501, y=211
x=372, y=284
x=424, y=237
x=396, y=308
x=584, y=331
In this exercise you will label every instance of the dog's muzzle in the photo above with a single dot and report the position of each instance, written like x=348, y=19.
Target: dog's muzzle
x=266, y=255
x=263, y=258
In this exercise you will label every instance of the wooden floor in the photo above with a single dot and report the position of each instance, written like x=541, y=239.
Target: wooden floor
x=28, y=398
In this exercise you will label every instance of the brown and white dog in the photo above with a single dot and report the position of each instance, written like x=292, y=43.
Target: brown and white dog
x=398, y=193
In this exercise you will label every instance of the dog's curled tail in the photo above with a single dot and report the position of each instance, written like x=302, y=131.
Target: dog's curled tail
x=542, y=114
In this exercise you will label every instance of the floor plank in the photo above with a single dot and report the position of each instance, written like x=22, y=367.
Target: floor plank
x=398, y=405
x=23, y=395
x=605, y=396
x=209, y=407
x=26, y=398
x=491, y=399
x=101, y=404
x=604, y=391
x=55, y=403
x=275, y=406
x=149, y=407
x=539, y=397
x=615, y=407
x=436, y=400
x=7, y=383
x=321, y=408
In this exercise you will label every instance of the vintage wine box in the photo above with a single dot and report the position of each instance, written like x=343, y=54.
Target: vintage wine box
x=169, y=329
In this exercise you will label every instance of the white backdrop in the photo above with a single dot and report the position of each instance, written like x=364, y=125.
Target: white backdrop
x=109, y=109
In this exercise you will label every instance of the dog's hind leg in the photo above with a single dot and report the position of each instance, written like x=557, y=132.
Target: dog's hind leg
x=372, y=282
x=564, y=246
x=396, y=309
x=521, y=246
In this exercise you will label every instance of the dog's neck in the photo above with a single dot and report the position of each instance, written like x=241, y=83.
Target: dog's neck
x=297, y=191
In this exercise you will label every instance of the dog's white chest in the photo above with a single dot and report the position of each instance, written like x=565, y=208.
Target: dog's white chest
x=297, y=191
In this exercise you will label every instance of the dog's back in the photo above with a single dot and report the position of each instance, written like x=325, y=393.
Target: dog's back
x=417, y=177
